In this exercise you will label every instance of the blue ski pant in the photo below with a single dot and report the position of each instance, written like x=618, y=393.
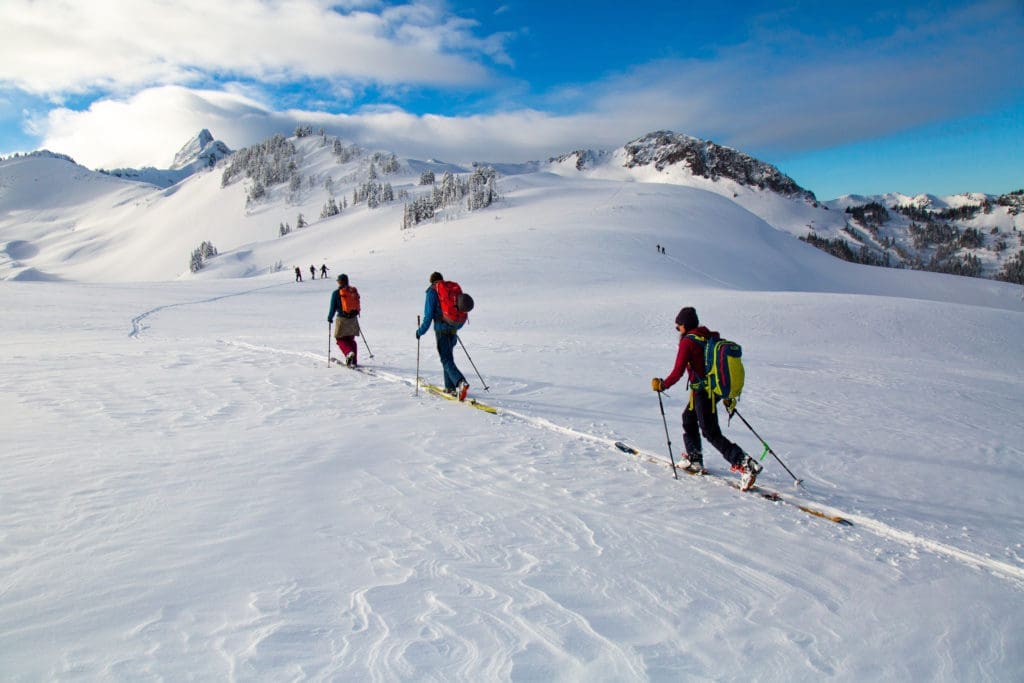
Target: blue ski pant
x=446, y=342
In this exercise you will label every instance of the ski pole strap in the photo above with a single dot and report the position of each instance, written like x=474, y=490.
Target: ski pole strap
x=764, y=453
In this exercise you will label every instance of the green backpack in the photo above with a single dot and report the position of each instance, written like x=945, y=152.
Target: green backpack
x=723, y=368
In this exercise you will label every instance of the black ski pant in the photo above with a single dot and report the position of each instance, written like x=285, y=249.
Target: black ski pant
x=700, y=418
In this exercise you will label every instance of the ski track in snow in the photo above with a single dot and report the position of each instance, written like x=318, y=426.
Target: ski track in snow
x=200, y=508
x=498, y=621
x=1002, y=569
x=136, y=324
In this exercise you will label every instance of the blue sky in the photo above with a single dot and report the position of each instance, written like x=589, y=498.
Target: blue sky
x=847, y=98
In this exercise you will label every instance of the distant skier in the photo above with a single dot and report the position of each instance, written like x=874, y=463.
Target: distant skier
x=323, y=271
x=345, y=303
x=699, y=415
x=298, y=274
x=312, y=272
x=446, y=333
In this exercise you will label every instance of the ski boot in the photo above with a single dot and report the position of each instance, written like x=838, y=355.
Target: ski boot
x=748, y=469
x=695, y=462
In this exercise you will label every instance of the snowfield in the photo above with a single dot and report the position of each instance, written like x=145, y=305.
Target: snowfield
x=191, y=492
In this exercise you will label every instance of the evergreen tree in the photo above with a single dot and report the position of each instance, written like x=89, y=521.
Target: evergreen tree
x=482, y=188
x=330, y=209
x=269, y=163
x=200, y=255
x=1013, y=270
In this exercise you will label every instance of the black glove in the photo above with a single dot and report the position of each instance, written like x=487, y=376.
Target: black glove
x=330, y=320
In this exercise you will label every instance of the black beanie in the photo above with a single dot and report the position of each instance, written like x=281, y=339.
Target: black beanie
x=343, y=280
x=687, y=318
x=436, y=277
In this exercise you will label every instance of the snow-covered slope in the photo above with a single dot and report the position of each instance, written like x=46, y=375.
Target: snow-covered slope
x=190, y=492
x=149, y=234
x=968, y=234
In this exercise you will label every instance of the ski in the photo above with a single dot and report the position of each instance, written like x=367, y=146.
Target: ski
x=358, y=368
x=438, y=391
x=767, y=494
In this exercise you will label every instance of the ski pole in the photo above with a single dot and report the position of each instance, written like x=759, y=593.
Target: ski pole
x=768, y=449
x=486, y=388
x=668, y=439
x=364, y=341
x=417, y=392
x=328, y=344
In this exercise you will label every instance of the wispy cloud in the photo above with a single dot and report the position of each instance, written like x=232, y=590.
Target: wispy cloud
x=804, y=91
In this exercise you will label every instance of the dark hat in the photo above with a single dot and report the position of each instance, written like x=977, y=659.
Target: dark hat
x=343, y=279
x=687, y=317
x=436, y=277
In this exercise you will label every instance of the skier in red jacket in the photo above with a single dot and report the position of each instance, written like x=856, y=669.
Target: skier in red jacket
x=700, y=416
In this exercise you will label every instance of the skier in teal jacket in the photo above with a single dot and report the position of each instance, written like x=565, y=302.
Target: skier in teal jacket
x=447, y=336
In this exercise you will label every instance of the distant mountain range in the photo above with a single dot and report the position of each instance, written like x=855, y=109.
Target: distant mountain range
x=975, y=234
x=970, y=234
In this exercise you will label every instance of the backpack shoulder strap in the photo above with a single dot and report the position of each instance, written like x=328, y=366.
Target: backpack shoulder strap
x=706, y=345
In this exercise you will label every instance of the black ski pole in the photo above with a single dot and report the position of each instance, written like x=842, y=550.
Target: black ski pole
x=328, y=344
x=417, y=392
x=364, y=341
x=768, y=449
x=668, y=439
x=486, y=388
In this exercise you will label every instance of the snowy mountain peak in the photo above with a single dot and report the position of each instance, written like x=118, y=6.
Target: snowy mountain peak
x=47, y=154
x=581, y=159
x=199, y=153
x=707, y=159
x=202, y=149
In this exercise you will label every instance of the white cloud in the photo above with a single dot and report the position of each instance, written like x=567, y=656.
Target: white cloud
x=146, y=129
x=49, y=46
x=149, y=127
x=777, y=92
x=798, y=92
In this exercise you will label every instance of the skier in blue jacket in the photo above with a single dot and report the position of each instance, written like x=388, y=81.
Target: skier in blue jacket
x=447, y=338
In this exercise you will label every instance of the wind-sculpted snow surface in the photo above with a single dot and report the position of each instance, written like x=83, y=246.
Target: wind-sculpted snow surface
x=191, y=491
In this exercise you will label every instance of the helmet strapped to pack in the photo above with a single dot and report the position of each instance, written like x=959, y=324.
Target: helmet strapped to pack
x=455, y=304
x=723, y=368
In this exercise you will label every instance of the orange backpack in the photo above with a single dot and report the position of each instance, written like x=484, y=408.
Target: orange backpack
x=349, y=300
